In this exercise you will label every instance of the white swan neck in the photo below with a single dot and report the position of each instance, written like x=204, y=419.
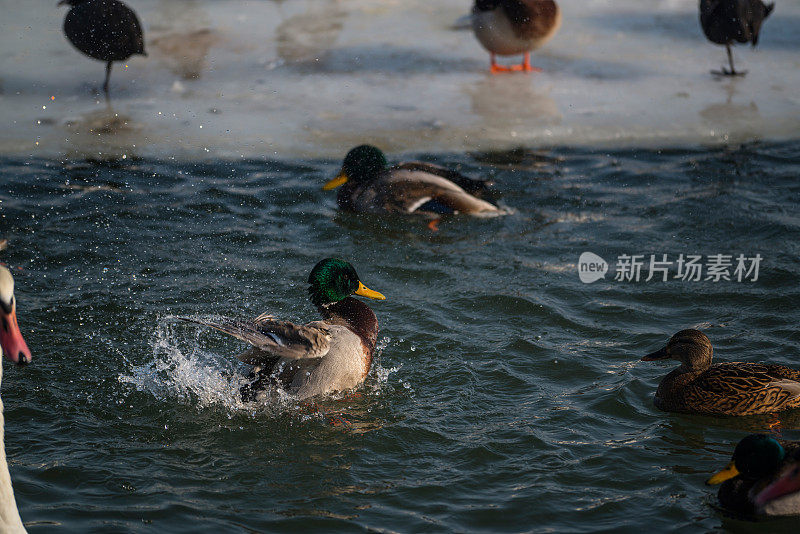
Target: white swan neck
x=10, y=522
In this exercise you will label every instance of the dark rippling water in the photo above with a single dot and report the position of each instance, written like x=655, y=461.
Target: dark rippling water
x=507, y=395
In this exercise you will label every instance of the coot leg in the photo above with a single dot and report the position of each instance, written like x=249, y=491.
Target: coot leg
x=732, y=72
x=108, y=76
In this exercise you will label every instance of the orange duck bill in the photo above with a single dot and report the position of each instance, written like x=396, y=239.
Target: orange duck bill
x=13, y=345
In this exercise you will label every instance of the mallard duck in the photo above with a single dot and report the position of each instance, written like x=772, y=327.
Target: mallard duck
x=107, y=30
x=13, y=347
x=512, y=27
x=752, y=482
x=733, y=388
x=727, y=21
x=369, y=185
x=334, y=354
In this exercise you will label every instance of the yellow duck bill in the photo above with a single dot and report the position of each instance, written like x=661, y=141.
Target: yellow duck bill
x=728, y=473
x=340, y=180
x=364, y=291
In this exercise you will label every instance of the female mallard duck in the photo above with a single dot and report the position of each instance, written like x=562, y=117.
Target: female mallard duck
x=761, y=478
x=369, y=185
x=13, y=347
x=320, y=357
x=722, y=389
x=512, y=27
x=727, y=21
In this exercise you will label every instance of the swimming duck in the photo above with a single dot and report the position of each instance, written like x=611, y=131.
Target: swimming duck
x=334, y=354
x=369, y=185
x=733, y=388
x=727, y=21
x=759, y=479
x=13, y=347
x=107, y=30
x=512, y=27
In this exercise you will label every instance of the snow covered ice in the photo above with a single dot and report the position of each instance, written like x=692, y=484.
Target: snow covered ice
x=312, y=78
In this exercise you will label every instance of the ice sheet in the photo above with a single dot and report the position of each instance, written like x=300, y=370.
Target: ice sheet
x=312, y=78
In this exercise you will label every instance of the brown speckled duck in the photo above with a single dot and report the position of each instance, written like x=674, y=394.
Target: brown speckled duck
x=762, y=478
x=513, y=27
x=320, y=357
x=734, y=388
x=369, y=185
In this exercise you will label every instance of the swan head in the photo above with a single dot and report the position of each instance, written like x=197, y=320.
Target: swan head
x=12, y=344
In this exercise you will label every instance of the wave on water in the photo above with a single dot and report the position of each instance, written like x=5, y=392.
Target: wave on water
x=181, y=369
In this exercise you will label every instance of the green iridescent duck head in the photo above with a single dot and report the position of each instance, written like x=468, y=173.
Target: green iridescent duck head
x=362, y=164
x=755, y=456
x=332, y=280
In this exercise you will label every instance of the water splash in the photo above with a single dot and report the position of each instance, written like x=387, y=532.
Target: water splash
x=180, y=369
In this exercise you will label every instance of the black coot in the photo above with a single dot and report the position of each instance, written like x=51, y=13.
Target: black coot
x=107, y=30
x=727, y=21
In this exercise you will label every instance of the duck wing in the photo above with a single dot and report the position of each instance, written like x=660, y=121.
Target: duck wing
x=748, y=16
x=473, y=186
x=410, y=191
x=532, y=19
x=744, y=389
x=272, y=338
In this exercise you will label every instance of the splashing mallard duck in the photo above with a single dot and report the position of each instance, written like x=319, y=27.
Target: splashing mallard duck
x=728, y=21
x=369, y=185
x=512, y=27
x=733, y=388
x=320, y=357
x=761, y=478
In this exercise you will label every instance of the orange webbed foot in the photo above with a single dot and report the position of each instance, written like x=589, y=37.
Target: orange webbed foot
x=523, y=67
x=498, y=69
x=526, y=64
x=433, y=226
x=775, y=424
